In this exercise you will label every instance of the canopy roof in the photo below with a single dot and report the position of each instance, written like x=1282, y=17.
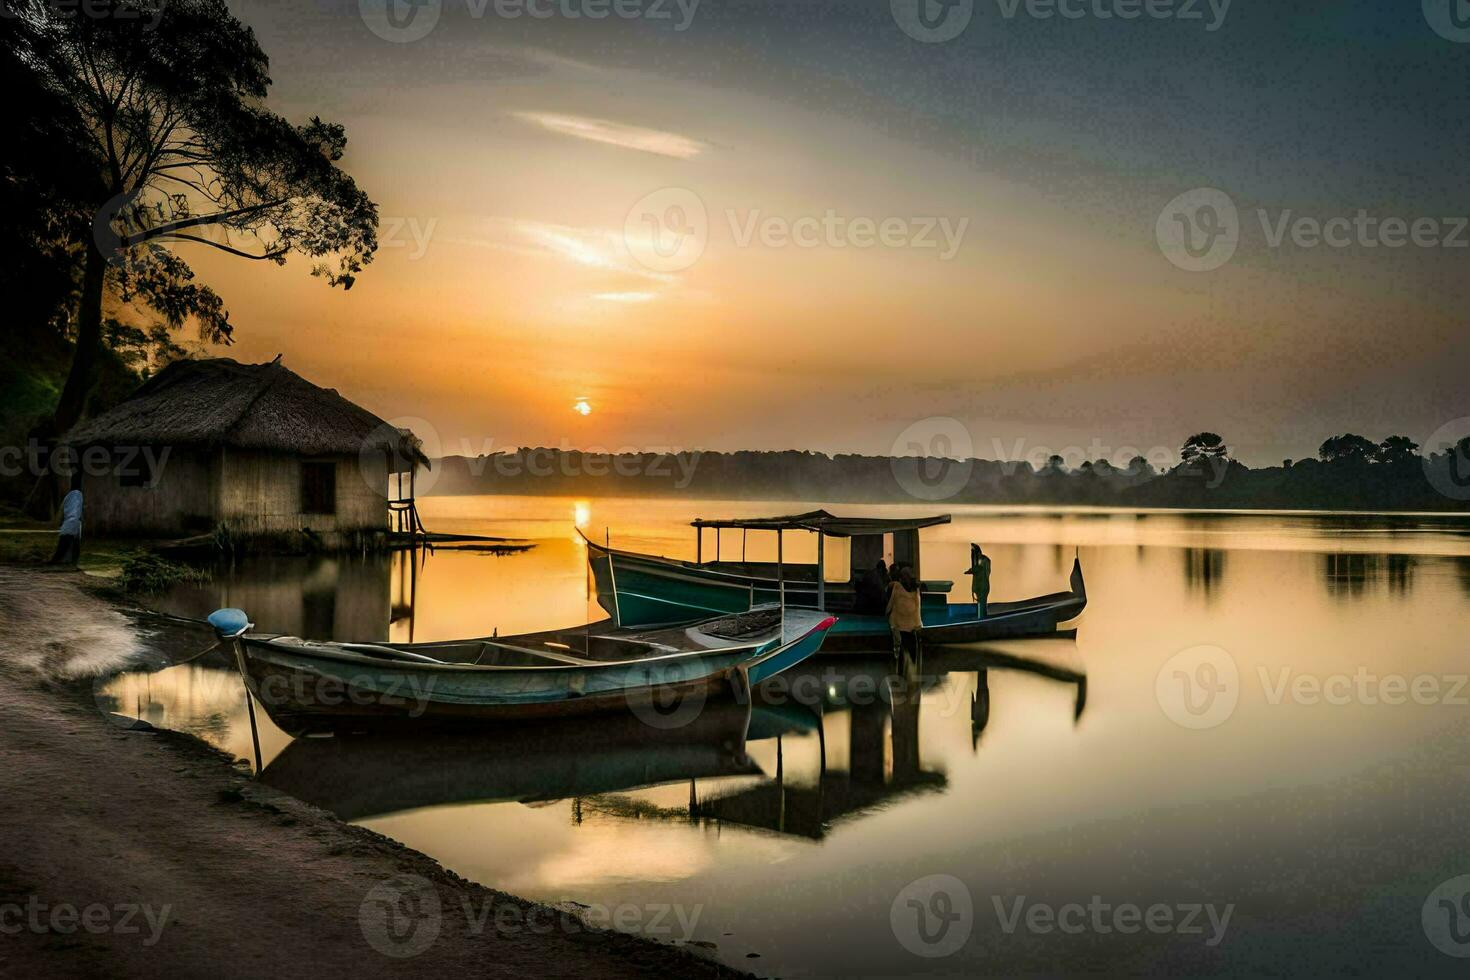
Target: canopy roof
x=825, y=523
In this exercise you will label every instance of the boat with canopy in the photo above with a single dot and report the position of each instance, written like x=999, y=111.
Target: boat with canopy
x=644, y=590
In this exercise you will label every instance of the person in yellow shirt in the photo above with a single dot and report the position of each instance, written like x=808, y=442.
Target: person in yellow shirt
x=903, y=611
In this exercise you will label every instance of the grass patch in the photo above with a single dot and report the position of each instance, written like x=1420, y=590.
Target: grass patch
x=146, y=573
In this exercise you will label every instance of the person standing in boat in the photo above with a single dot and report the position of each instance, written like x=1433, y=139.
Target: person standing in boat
x=903, y=611
x=69, y=536
x=979, y=572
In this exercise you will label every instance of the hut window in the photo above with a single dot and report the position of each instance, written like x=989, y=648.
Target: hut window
x=318, y=488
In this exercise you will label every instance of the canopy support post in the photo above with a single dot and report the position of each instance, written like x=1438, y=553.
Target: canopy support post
x=821, y=572
x=698, y=545
x=781, y=581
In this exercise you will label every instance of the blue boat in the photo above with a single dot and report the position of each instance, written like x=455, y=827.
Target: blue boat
x=307, y=685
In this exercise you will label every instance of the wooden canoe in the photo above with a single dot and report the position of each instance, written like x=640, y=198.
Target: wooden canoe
x=307, y=686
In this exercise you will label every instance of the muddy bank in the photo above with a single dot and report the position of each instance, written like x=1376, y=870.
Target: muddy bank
x=146, y=853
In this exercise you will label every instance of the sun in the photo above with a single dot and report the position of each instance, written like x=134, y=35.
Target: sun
x=583, y=407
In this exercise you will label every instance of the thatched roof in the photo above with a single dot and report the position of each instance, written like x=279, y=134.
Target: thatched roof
x=221, y=402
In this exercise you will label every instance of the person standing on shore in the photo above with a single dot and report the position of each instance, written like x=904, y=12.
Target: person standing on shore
x=979, y=572
x=69, y=536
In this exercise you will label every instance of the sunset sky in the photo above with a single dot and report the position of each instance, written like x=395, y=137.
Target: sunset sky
x=506, y=155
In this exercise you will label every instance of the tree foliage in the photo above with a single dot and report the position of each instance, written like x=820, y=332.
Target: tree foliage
x=166, y=103
x=1203, y=445
x=1348, y=446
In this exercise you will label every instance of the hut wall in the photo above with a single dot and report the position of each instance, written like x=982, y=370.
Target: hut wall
x=179, y=501
x=260, y=493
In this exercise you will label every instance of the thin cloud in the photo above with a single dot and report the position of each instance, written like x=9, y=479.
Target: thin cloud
x=617, y=134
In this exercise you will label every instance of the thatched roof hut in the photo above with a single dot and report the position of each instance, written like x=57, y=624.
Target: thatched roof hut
x=266, y=407
x=254, y=447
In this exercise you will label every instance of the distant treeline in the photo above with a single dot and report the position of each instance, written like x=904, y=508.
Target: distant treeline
x=1352, y=473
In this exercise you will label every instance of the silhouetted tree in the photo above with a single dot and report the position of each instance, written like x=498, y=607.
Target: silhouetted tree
x=1203, y=445
x=1347, y=446
x=170, y=95
x=1139, y=466
x=1396, y=449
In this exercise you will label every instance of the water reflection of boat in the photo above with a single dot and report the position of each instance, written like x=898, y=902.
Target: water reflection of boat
x=307, y=685
x=640, y=589
x=364, y=776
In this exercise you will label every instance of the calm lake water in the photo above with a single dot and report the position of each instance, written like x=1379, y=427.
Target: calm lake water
x=1253, y=758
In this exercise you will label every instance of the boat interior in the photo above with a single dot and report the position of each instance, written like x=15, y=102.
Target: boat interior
x=597, y=643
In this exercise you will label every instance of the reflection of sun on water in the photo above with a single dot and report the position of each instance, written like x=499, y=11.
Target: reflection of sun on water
x=581, y=517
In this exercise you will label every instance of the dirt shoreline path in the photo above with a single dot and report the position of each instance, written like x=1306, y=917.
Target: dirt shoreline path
x=145, y=853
